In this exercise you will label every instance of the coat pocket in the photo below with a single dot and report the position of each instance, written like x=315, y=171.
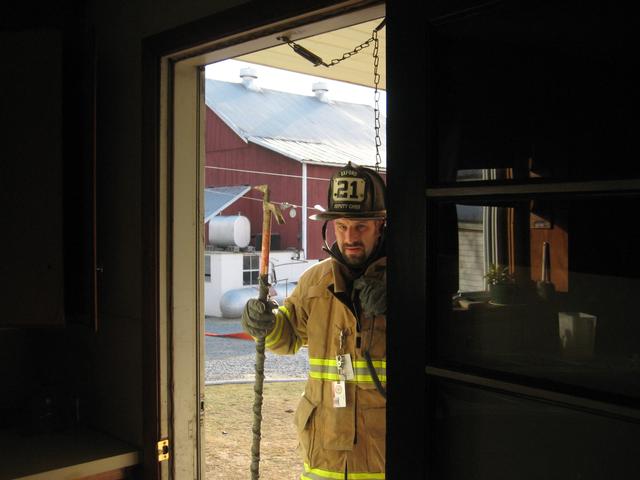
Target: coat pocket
x=303, y=420
x=375, y=422
x=375, y=340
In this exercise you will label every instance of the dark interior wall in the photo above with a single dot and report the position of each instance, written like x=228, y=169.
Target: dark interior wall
x=120, y=27
x=12, y=346
x=32, y=130
x=116, y=350
x=46, y=376
x=38, y=358
x=101, y=367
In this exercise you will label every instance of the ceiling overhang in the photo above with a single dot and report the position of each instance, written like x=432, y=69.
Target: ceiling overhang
x=357, y=69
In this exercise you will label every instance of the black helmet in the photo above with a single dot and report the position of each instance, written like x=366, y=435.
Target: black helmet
x=355, y=192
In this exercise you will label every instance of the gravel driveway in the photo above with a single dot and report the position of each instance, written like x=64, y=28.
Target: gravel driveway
x=231, y=360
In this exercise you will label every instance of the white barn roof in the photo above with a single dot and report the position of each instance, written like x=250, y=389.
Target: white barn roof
x=300, y=127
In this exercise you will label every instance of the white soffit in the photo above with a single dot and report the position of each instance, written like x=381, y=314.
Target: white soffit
x=358, y=69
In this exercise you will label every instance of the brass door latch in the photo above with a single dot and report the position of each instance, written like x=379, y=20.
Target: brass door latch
x=163, y=450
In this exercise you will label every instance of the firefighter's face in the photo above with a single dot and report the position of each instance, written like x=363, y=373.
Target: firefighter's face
x=357, y=238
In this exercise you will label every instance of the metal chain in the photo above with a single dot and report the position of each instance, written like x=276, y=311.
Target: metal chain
x=376, y=98
x=346, y=55
x=316, y=60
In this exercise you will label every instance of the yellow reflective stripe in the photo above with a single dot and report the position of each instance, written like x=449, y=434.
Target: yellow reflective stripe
x=276, y=334
x=376, y=363
x=369, y=378
x=320, y=474
x=357, y=363
x=364, y=371
x=364, y=375
x=335, y=376
x=330, y=362
x=326, y=369
x=286, y=311
x=324, y=376
x=323, y=369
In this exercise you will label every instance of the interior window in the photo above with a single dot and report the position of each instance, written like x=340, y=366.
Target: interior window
x=545, y=288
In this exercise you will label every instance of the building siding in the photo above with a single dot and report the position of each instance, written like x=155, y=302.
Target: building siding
x=471, y=257
x=231, y=161
x=317, y=186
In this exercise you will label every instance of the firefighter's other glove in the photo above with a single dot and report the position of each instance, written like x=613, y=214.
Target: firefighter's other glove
x=373, y=295
x=258, y=318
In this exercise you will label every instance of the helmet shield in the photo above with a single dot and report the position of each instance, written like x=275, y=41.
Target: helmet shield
x=355, y=192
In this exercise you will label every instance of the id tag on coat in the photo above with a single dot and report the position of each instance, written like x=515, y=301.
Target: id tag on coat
x=347, y=367
x=339, y=394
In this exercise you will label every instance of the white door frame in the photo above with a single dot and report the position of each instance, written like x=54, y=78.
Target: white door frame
x=180, y=234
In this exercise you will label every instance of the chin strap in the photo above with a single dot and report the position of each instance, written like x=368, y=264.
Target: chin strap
x=325, y=245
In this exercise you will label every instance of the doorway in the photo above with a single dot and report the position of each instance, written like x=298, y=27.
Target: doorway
x=180, y=235
x=312, y=114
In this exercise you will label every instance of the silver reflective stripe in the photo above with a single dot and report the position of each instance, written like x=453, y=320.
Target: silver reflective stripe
x=323, y=368
x=364, y=375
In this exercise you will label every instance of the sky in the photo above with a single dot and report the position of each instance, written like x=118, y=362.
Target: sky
x=283, y=80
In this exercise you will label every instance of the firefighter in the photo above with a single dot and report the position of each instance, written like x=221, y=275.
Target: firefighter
x=338, y=309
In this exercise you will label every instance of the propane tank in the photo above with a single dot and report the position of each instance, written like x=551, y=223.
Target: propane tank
x=230, y=231
x=233, y=301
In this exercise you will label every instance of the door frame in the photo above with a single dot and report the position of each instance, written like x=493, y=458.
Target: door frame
x=227, y=34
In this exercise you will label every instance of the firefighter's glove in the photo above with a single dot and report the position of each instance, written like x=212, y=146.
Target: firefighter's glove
x=372, y=292
x=258, y=318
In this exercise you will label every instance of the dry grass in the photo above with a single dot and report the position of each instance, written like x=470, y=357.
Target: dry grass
x=228, y=422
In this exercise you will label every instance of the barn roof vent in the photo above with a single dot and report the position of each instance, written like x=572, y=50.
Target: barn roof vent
x=321, y=91
x=249, y=78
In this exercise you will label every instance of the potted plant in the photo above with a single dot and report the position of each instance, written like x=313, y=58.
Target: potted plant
x=502, y=286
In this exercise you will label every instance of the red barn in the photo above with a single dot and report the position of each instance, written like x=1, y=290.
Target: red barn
x=293, y=143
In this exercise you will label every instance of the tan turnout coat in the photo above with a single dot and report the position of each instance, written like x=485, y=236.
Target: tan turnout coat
x=347, y=441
